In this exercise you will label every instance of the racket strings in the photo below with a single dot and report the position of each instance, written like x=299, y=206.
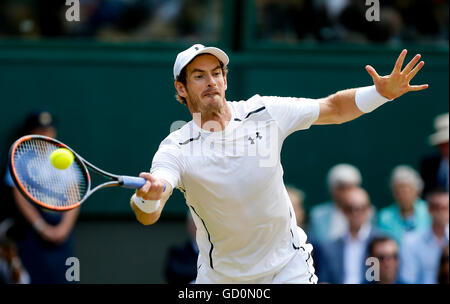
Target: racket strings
x=45, y=183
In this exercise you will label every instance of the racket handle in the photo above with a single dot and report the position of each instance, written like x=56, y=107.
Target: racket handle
x=132, y=182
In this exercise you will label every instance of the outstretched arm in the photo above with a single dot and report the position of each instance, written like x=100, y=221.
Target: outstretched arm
x=349, y=104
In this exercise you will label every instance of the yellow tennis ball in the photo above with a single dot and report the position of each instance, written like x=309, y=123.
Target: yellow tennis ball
x=61, y=158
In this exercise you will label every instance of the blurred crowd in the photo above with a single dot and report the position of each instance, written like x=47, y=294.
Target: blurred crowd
x=162, y=20
x=400, y=21
x=291, y=21
x=405, y=242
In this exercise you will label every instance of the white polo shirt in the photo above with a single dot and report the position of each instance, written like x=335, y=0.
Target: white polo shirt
x=233, y=184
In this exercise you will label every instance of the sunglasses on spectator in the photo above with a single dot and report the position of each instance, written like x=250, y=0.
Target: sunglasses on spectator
x=438, y=207
x=350, y=209
x=383, y=257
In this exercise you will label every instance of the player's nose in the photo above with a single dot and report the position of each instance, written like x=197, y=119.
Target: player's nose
x=211, y=81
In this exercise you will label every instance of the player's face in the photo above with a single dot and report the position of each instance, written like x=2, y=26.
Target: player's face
x=205, y=84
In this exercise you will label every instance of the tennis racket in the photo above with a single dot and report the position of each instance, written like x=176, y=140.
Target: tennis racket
x=52, y=188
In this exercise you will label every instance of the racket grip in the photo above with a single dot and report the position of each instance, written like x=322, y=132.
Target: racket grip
x=132, y=182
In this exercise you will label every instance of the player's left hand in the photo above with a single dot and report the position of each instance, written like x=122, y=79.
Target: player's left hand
x=397, y=83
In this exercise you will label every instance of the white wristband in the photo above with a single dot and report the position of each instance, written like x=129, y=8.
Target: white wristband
x=368, y=99
x=147, y=206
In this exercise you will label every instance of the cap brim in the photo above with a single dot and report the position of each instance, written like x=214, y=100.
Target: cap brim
x=216, y=52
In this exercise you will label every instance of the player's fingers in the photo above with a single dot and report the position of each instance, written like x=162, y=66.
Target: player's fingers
x=372, y=73
x=411, y=64
x=157, y=186
x=418, y=87
x=144, y=189
x=415, y=70
x=148, y=177
x=145, y=175
x=399, y=62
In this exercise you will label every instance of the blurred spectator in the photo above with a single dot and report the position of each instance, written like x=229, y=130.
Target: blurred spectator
x=421, y=250
x=11, y=268
x=385, y=249
x=297, y=197
x=443, y=274
x=355, y=27
x=289, y=20
x=342, y=261
x=44, y=238
x=327, y=221
x=408, y=212
x=114, y=19
x=181, y=261
x=433, y=15
x=434, y=168
x=18, y=18
x=156, y=20
x=345, y=20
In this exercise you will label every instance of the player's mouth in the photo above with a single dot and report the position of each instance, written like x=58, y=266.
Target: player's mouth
x=211, y=93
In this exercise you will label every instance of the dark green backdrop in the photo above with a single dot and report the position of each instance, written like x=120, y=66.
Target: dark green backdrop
x=115, y=104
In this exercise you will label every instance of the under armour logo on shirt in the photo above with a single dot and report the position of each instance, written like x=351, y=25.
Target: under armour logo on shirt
x=252, y=140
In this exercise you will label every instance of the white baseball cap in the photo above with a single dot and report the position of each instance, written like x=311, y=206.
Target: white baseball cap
x=186, y=56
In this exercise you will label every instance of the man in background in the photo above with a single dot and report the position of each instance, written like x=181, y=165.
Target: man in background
x=327, y=221
x=342, y=261
x=421, y=251
x=385, y=249
x=434, y=168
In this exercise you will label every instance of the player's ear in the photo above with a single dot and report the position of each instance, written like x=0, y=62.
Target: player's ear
x=225, y=81
x=181, y=89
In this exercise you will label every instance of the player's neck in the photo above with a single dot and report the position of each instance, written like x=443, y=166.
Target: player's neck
x=213, y=120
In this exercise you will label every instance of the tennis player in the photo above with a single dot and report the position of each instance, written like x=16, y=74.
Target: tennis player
x=226, y=161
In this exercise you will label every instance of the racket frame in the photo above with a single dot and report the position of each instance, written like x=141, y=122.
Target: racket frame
x=115, y=180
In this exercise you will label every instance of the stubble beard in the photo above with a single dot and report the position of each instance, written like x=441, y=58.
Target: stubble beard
x=207, y=109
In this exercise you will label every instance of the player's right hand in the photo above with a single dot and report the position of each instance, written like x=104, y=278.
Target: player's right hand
x=152, y=189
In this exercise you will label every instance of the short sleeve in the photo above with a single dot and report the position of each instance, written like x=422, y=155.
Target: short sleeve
x=292, y=114
x=166, y=163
